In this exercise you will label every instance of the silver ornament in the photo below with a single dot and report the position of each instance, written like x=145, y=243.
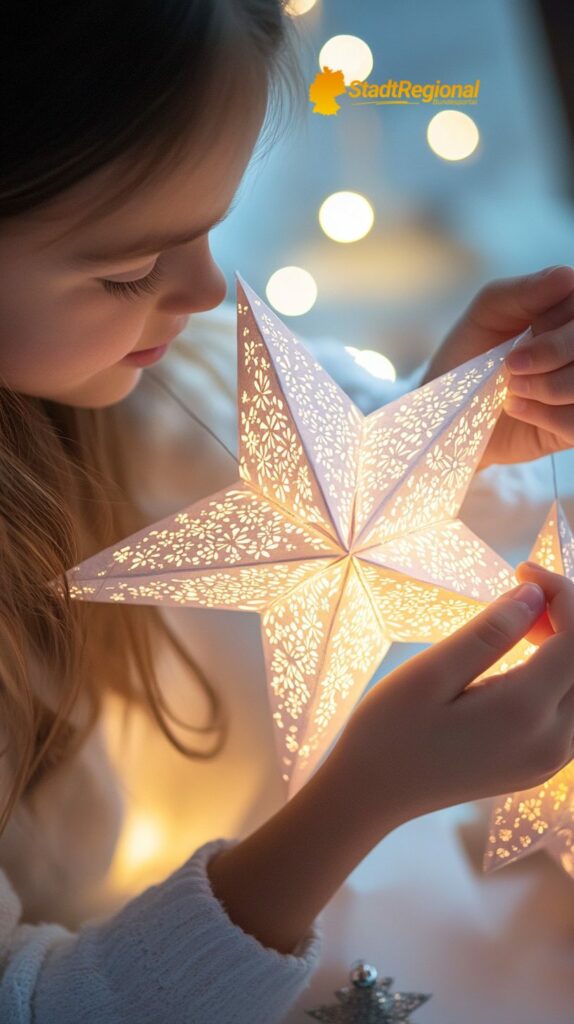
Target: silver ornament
x=368, y=1001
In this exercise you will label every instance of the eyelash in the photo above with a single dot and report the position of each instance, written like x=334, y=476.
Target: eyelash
x=131, y=289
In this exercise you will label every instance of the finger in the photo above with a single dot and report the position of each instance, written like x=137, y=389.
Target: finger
x=541, y=630
x=556, y=388
x=454, y=662
x=554, y=317
x=509, y=304
x=559, y=591
x=557, y=420
x=565, y=709
x=543, y=352
x=548, y=675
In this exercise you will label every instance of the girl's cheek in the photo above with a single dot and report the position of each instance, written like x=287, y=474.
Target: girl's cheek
x=47, y=346
x=108, y=330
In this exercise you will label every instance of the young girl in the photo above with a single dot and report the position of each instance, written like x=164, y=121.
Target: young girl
x=127, y=129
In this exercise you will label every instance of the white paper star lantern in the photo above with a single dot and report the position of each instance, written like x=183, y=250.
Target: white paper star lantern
x=341, y=531
x=541, y=817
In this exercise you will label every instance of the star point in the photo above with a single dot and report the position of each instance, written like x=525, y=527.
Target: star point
x=541, y=817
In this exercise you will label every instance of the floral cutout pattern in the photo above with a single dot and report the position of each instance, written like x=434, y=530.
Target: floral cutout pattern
x=541, y=817
x=439, y=435
x=341, y=530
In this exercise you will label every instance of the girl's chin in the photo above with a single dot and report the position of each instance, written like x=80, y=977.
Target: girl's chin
x=99, y=392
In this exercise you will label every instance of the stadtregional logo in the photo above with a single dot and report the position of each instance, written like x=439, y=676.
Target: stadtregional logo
x=330, y=83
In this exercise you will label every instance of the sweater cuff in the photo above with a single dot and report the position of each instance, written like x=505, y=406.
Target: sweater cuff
x=171, y=954
x=218, y=971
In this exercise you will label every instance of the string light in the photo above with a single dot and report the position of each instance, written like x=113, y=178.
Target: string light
x=346, y=216
x=452, y=135
x=373, y=362
x=348, y=54
x=297, y=7
x=292, y=290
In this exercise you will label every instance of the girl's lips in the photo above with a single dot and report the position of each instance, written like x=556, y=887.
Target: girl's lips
x=145, y=356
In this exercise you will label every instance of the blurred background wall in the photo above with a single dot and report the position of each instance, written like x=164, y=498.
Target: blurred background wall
x=442, y=227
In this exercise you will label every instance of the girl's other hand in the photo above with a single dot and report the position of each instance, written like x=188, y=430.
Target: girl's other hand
x=423, y=738
x=538, y=415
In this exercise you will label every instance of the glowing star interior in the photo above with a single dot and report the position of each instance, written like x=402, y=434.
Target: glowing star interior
x=341, y=531
x=541, y=817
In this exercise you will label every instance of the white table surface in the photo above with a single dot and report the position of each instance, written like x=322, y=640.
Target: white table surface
x=492, y=949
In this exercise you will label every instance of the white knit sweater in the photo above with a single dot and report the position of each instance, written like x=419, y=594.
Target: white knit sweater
x=169, y=953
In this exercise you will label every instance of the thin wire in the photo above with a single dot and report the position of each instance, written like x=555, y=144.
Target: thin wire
x=554, y=476
x=193, y=415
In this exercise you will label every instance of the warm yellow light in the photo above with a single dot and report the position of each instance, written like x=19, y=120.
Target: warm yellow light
x=540, y=817
x=341, y=530
x=374, y=362
x=142, y=843
x=346, y=216
x=298, y=7
x=348, y=54
x=292, y=290
x=452, y=135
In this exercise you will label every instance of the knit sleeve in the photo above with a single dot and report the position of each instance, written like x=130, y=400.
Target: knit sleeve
x=170, y=954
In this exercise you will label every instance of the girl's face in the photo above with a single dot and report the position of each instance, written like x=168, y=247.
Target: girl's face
x=63, y=331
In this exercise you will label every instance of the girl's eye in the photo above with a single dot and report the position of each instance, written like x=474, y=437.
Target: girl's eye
x=129, y=289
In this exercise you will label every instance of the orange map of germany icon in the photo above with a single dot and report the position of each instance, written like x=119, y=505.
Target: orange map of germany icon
x=322, y=92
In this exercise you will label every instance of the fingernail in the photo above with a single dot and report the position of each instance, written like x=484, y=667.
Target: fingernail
x=547, y=270
x=519, y=359
x=520, y=385
x=531, y=595
x=515, y=405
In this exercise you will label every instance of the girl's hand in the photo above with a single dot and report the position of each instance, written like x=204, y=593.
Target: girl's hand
x=538, y=415
x=421, y=739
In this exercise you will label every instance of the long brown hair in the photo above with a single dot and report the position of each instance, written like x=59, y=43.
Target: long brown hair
x=84, y=84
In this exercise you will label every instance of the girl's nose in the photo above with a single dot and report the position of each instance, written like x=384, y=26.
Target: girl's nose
x=192, y=282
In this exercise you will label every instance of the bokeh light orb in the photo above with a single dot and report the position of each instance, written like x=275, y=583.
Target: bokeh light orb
x=143, y=841
x=346, y=216
x=292, y=291
x=373, y=362
x=452, y=135
x=348, y=54
x=296, y=7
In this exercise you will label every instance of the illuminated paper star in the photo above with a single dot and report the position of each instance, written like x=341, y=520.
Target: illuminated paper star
x=341, y=531
x=541, y=817
x=368, y=1001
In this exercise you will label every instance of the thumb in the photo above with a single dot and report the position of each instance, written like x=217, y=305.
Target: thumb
x=454, y=662
x=508, y=305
